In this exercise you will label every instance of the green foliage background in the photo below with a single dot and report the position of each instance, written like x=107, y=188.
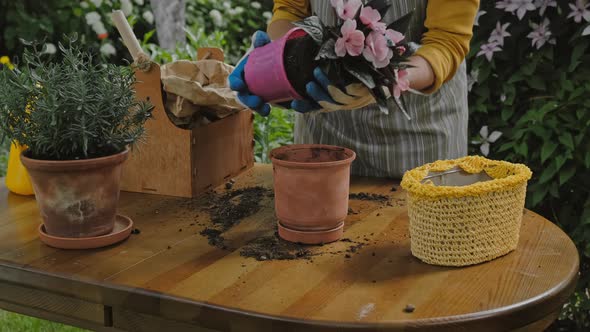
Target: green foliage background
x=540, y=103
x=537, y=98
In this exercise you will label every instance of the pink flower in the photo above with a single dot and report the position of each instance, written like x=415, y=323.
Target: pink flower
x=541, y=34
x=346, y=10
x=352, y=40
x=499, y=33
x=371, y=17
x=394, y=36
x=489, y=49
x=520, y=7
x=580, y=11
x=376, y=50
x=401, y=50
x=403, y=84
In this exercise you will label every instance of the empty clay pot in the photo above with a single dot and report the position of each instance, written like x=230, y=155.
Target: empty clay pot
x=311, y=184
x=77, y=198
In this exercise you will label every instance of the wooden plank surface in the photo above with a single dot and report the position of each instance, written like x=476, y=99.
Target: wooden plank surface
x=165, y=150
x=169, y=272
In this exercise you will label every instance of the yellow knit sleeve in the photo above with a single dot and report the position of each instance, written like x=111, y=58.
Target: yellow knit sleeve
x=445, y=44
x=291, y=10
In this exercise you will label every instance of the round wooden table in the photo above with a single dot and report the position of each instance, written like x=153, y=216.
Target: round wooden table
x=169, y=277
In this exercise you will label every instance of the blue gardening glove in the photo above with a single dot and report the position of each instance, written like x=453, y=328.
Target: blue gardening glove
x=327, y=97
x=238, y=83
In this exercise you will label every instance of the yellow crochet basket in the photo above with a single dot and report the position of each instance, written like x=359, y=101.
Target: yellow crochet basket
x=465, y=211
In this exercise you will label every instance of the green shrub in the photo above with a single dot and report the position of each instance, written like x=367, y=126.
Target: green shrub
x=532, y=86
x=272, y=132
x=238, y=19
x=71, y=109
x=196, y=38
x=48, y=20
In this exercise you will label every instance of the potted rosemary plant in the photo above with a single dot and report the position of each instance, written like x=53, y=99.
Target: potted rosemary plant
x=78, y=119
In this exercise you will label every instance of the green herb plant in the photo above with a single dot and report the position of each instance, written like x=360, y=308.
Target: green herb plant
x=72, y=109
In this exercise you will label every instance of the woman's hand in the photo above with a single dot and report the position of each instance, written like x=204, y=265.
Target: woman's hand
x=420, y=75
x=237, y=82
x=328, y=97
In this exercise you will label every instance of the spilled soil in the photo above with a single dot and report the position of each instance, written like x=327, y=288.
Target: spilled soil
x=227, y=210
x=273, y=247
x=369, y=197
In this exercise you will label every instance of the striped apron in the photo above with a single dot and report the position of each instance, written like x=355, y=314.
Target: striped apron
x=388, y=144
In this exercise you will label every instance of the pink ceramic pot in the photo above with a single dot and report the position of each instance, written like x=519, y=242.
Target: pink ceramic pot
x=311, y=184
x=265, y=72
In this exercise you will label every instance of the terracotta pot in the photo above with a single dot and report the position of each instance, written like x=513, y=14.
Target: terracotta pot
x=77, y=198
x=311, y=184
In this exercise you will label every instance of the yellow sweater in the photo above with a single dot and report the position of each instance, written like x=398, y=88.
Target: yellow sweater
x=445, y=43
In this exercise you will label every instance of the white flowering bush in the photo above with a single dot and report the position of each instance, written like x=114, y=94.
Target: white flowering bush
x=237, y=19
x=529, y=83
x=96, y=15
x=49, y=20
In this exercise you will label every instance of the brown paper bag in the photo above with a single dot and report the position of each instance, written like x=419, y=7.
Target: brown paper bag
x=199, y=87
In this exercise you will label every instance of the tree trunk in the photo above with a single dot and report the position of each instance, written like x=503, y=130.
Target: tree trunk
x=170, y=21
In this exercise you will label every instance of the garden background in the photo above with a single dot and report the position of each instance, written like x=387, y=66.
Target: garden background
x=529, y=83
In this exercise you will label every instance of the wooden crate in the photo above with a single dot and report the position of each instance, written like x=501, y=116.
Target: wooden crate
x=185, y=163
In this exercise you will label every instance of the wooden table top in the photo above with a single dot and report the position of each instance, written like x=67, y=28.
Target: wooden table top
x=170, y=272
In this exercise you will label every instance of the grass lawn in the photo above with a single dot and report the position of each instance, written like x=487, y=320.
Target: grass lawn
x=11, y=322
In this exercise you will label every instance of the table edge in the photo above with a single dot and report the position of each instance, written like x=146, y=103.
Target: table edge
x=552, y=299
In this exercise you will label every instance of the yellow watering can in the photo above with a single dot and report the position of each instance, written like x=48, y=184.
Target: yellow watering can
x=17, y=177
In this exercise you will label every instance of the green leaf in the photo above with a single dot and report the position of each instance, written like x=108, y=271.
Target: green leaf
x=567, y=140
x=402, y=23
x=327, y=51
x=560, y=161
x=147, y=36
x=577, y=52
x=380, y=5
x=537, y=82
x=523, y=149
x=507, y=113
x=505, y=146
x=548, y=173
x=576, y=93
x=547, y=150
x=529, y=67
x=538, y=195
x=568, y=85
x=567, y=174
x=363, y=76
x=517, y=77
x=314, y=28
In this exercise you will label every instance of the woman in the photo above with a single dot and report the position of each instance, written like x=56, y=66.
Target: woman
x=388, y=144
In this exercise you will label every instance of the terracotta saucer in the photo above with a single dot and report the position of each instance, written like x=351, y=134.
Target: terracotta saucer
x=122, y=229
x=311, y=237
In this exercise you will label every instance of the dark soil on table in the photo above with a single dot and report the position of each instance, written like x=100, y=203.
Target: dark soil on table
x=229, y=209
x=369, y=197
x=299, y=62
x=273, y=247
